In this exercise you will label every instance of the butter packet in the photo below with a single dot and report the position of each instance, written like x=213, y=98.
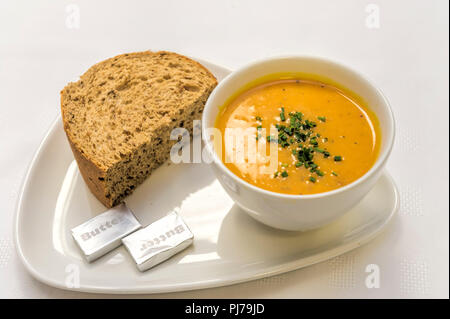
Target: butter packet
x=158, y=241
x=104, y=232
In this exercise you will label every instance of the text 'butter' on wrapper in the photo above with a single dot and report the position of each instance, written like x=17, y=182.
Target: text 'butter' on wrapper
x=104, y=232
x=158, y=241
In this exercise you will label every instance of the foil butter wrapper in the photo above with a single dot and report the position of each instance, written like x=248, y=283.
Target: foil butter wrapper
x=104, y=232
x=158, y=241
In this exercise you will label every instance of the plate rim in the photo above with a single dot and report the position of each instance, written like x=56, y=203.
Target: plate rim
x=231, y=280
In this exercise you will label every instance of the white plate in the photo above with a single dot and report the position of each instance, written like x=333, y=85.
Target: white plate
x=229, y=247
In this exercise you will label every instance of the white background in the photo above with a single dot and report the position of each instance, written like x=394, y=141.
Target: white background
x=407, y=57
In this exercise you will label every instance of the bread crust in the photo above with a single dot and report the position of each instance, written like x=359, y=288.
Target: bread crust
x=92, y=172
x=93, y=176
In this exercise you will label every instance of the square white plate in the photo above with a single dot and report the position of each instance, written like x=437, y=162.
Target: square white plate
x=229, y=247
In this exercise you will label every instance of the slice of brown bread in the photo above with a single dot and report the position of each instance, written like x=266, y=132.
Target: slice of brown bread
x=119, y=115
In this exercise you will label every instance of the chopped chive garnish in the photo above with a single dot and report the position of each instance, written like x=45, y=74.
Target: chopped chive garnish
x=282, y=116
x=299, y=134
x=319, y=150
x=313, y=141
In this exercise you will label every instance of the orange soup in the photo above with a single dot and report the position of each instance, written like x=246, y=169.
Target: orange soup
x=325, y=136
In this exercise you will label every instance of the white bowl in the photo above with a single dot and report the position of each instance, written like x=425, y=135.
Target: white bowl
x=299, y=212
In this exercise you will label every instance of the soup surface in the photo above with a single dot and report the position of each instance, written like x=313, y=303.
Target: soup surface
x=324, y=138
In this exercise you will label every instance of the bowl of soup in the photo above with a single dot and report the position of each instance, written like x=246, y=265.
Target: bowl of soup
x=297, y=141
